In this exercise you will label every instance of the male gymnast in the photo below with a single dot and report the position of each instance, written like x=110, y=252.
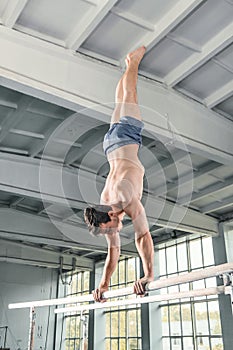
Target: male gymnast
x=124, y=185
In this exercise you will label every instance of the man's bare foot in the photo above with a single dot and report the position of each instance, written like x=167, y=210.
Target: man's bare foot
x=136, y=55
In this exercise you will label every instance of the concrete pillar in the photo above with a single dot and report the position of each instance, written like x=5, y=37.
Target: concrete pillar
x=225, y=306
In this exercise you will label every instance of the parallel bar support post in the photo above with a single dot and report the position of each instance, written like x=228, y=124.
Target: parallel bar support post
x=145, y=326
x=31, y=328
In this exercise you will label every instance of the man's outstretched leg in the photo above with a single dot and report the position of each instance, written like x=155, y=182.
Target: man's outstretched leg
x=129, y=84
x=126, y=101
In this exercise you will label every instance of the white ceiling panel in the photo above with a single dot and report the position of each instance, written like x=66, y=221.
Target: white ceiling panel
x=4, y=111
x=226, y=57
x=204, y=181
x=164, y=57
x=206, y=80
x=101, y=40
x=208, y=20
x=149, y=10
x=224, y=211
x=226, y=106
x=53, y=18
x=9, y=95
x=16, y=141
x=34, y=123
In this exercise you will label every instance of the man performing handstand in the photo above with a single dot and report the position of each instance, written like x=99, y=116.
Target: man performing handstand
x=124, y=185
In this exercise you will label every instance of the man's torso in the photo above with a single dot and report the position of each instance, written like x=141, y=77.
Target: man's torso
x=125, y=179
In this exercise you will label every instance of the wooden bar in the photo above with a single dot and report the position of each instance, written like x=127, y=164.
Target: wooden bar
x=208, y=272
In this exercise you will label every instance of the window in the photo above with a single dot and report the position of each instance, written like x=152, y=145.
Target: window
x=193, y=323
x=74, y=324
x=123, y=324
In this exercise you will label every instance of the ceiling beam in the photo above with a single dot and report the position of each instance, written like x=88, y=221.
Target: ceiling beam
x=8, y=104
x=221, y=204
x=133, y=19
x=165, y=111
x=218, y=43
x=89, y=23
x=209, y=190
x=184, y=179
x=26, y=133
x=184, y=42
x=219, y=95
x=53, y=242
x=13, y=11
x=74, y=189
x=22, y=253
x=15, y=116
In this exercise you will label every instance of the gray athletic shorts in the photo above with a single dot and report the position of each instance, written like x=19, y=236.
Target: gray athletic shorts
x=127, y=131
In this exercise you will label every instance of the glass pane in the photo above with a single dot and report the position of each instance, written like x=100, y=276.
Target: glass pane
x=196, y=254
x=114, y=279
x=72, y=327
x=74, y=284
x=188, y=343
x=171, y=260
x=182, y=257
x=186, y=319
x=166, y=344
x=173, y=290
x=122, y=328
x=176, y=343
x=214, y=318
x=162, y=262
x=122, y=271
x=131, y=270
x=203, y=343
x=114, y=324
x=175, y=319
x=77, y=344
x=217, y=344
x=133, y=344
x=208, y=251
x=132, y=323
x=71, y=345
x=107, y=344
x=67, y=327
x=77, y=333
x=184, y=287
x=86, y=280
x=137, y=268
x=201, y=319
x=79, y=286
x=165, y=321
x=122, y=344
x=199, y=285
x=114, y=344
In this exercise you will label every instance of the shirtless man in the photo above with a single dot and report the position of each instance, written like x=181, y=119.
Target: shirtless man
x=123, y=188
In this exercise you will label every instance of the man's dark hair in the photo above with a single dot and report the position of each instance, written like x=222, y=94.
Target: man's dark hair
x=96, y=215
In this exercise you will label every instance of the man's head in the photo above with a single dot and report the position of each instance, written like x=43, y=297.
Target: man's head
x=101, y=219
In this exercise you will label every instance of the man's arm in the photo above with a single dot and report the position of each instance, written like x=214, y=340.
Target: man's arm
x=143, y=243
x=111, y=261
